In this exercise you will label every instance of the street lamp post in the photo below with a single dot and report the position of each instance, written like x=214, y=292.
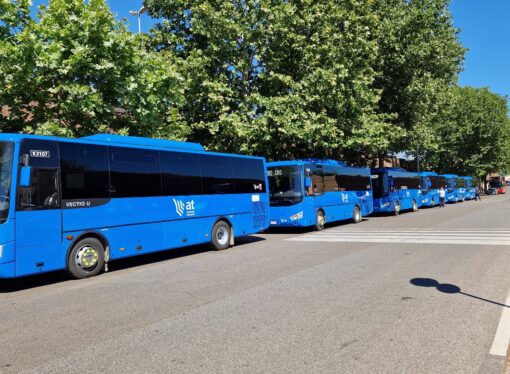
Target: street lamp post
x=138, y=13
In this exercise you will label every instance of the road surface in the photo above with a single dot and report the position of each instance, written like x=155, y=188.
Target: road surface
x=423, y=292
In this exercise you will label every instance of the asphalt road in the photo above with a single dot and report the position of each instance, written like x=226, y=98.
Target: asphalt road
x=418, y=293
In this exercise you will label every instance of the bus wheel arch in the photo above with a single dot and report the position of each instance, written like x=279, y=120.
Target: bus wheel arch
x=222, y=234
x=87, y=255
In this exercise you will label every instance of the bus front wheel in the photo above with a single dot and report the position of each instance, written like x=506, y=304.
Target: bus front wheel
x=86, y=258
x=356, y=215
x=319, y=220
x=415, y=206
x=220, y=238
x=397, y=208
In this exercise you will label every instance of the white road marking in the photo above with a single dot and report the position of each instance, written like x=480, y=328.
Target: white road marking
x=502, y=338
x=457, y=237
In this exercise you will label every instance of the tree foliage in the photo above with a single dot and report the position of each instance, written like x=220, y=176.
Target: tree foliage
x=78, y=71
x=473, y=133
x=352, y=80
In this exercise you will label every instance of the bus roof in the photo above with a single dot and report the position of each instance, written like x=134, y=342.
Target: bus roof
x=113, y=139
x=397, y=172
x=311, y=161
x=146, y=142
x=427, y=173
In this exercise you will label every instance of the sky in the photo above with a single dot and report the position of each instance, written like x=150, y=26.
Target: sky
x=485, y=31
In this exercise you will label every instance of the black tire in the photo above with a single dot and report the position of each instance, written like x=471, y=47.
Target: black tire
x=220, y=236
x=86, y=258
x=396, y=212
x=415, y=206
x=357, y=217
x=319, y=220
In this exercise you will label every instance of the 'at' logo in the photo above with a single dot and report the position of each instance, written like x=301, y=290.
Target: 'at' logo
x=179, y=207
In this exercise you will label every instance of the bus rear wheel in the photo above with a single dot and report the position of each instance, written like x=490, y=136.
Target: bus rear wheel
x=220, y=236
x=356, y=215
x=415, y=206
x=86, y=258
x=319, y=220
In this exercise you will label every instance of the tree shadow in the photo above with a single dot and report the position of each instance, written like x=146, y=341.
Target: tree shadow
x=45, y=279
x=449, y=289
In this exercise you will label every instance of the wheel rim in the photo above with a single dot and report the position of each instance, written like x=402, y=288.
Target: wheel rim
x=222, y=235
x=357, y=215
x=87, y=257
x=320, y=220
x=433, y=202
x=415, y=206
x=397, y=208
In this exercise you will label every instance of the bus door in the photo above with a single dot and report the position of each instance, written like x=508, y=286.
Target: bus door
x=38, y=216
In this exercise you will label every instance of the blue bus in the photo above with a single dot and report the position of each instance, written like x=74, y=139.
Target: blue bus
x=76, y=204
x=431, y=182
x=312, y=192
x=454, y=188
x=470, y=186
x=395, y=190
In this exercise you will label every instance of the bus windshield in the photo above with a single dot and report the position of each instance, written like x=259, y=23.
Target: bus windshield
x=6, y=155
x=380, y=185
x=285, y=185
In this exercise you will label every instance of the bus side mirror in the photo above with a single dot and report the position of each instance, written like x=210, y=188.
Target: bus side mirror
x=25, y=177
x=308, y=182
x=429, y=184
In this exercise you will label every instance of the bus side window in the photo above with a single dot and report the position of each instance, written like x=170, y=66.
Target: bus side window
x=43, y=191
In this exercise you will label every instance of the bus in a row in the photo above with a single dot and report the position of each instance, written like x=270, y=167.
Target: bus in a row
x=76, y=204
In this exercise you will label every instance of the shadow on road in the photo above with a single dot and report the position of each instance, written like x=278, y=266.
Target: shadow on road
x=45, y=279
x=449, y=288
x=307, y=229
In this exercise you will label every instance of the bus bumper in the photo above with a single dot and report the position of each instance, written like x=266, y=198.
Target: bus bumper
x=296, y=220
x=7, y=270
x=384, y=206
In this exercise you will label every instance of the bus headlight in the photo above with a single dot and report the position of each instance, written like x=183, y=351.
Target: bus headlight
x=296, y=216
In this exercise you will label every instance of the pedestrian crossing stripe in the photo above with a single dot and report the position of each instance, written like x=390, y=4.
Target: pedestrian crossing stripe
x=453, y=237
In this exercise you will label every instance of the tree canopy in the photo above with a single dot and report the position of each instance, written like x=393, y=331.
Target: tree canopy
x=353, y=80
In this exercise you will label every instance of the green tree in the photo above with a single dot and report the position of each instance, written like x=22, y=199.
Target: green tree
x=277, y=78
x=78, y=71
x=419, y=59
x=474, y=134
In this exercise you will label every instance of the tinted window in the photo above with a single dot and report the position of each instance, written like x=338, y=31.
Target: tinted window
x=84, y=171
x=406, y=182
x=352, y=180
x=43, y=190
x=181, y=173
x=460, y=183
x=330, y=178
x=317, y=177
x=380, y=183
x=437, y=182
x=42, y=153
x=134, y=172
x=217, y=175
x=249, y=176
x=285, y=185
